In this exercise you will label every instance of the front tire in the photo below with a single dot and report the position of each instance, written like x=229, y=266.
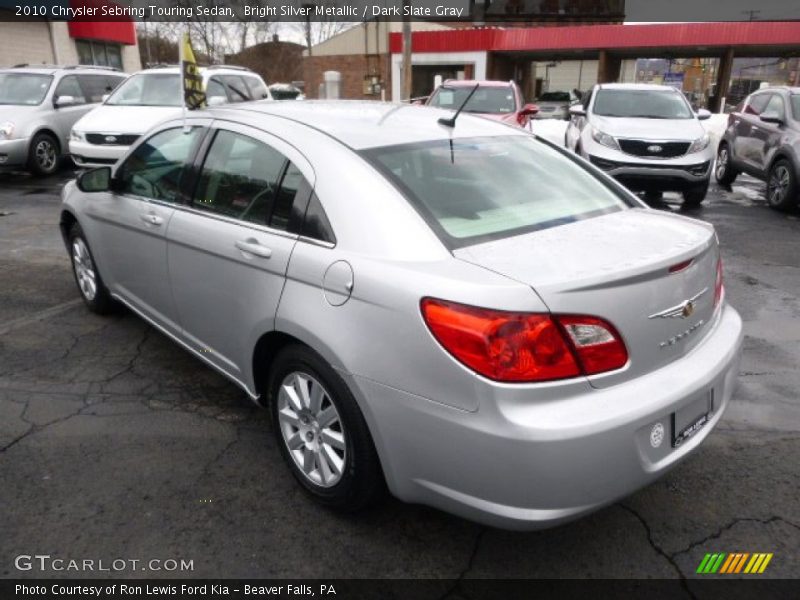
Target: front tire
x=781, y=186
x=724, y=171
x=693, y=197
x=321, y=432
x=87, y=277
x=44, y=156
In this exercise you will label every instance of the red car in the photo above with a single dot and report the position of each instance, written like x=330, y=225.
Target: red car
x=498, y=100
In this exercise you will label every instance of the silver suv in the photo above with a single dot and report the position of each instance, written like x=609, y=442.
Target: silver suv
x=38, y=107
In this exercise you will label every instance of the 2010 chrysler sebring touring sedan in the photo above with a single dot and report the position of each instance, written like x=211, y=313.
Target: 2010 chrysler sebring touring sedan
x=463, y=312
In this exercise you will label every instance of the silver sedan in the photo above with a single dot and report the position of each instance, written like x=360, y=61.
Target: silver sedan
x=460, y=312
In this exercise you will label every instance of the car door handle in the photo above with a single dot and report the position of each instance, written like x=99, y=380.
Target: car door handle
x=253, y=247
x=152, y=219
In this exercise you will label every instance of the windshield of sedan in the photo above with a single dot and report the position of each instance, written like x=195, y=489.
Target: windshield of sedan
x=644, y=104
x=24, y=89
x=795, y=98
x=555, y=97
x=479, y=189
x=484, y=100
x=149, y=89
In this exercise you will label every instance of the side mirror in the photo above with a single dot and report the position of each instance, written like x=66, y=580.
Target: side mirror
x=703, y=114
x=216, y=100
x=529, y=110
x=577, y=110
x=772, y=117
x=64, y=101
x=95, y=180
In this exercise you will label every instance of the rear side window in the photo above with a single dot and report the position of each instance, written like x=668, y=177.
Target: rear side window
x=316, y=224
x=239, y=178
x=472, y=190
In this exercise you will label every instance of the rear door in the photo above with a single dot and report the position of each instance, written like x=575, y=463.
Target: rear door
x=64, y=117
x=229, y=251
x=766, y=136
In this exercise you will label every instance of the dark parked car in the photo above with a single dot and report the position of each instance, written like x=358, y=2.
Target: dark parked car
x=763, y=140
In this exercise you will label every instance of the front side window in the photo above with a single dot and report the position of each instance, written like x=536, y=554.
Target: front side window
x=149, y=89
x=795, y=100
x=642, y=104
x=755, y=105
x=97, y=86
x=491, y=100
x=239, y=178
x=775, y=106
x=24, y=89
x=155, y=167
x=479, y=189
x=237, y=90
x=258, y=90
x=69, y=86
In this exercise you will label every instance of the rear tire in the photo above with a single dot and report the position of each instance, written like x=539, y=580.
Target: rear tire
x=87, y=277
x=693, y=197
x=724, y=172
x=781, y=186
x=44, y=156
x=321, y=432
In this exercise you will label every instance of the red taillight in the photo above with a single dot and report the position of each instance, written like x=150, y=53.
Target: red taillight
x=719, y=288
x=518, y=347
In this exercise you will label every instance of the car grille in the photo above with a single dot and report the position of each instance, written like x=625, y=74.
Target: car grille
x=653, y=149
x=110, y=139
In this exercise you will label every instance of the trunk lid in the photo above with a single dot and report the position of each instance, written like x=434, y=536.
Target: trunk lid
x=617, y=267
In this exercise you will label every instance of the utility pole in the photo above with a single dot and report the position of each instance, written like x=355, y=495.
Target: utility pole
x=405, y=82
x=751, y=14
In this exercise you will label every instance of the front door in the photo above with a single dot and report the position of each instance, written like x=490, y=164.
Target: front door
x=767, y=136
x=131, y=222
x=229, y=252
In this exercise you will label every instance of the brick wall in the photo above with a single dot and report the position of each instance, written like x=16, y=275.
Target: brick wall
x=353, y=68
x=276, y=61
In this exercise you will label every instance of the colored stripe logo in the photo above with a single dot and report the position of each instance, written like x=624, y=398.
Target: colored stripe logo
x=734, y=562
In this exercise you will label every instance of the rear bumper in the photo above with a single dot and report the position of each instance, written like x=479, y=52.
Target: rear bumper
x=88, y=155
x=524, y=463
x=13, y=153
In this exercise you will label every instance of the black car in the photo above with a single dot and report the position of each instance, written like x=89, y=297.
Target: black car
x=763, y=140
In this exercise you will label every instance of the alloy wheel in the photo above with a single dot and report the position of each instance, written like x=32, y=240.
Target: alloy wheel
x=45, y=155
x=778, y=185
x=84, y=269
x=722, y=163
x=312, y=429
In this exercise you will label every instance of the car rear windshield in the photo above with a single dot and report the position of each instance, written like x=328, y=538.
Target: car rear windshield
x=796, y=106
x=473, y=190
x=555, y=97
x=24, y=89
x=484, y=100
x=149, y=89
x=645, y=104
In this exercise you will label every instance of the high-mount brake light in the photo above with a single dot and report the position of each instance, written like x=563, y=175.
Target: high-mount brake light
x=524, y=347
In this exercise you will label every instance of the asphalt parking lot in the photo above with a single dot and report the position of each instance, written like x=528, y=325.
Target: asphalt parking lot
x=116, y=443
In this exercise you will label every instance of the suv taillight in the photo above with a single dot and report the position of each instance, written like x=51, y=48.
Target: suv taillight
x=524, y=347
x=719, y=287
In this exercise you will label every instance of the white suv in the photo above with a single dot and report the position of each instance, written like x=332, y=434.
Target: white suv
x=646, y=136
x=147, y=98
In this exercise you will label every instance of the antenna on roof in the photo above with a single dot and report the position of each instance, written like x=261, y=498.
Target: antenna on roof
x=451, y=122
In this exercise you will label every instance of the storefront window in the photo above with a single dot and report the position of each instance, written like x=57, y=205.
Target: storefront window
x=99, y=53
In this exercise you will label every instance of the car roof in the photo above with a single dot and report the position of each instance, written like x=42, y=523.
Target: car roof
x=362, y=124
x=52, y=69
x=473, y=82
x=636, y=86
x=175, y=69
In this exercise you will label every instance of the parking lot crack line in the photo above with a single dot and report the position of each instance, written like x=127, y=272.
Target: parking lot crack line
x=470, y=563
x=727, y=527
x=659, y=550
x=39, y=316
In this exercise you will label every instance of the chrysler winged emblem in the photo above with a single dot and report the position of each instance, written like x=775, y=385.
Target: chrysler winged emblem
x=680, y=311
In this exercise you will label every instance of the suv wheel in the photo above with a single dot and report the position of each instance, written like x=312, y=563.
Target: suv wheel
x=90, y=284
x=781, y=185
x=321, y=432
x=724, y=171
x=693, y=197
x=44, y=156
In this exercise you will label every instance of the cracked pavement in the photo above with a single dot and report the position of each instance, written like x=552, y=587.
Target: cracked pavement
x=115, y=442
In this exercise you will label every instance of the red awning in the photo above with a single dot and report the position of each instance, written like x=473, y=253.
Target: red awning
x=122, y=30
x=598, y=37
